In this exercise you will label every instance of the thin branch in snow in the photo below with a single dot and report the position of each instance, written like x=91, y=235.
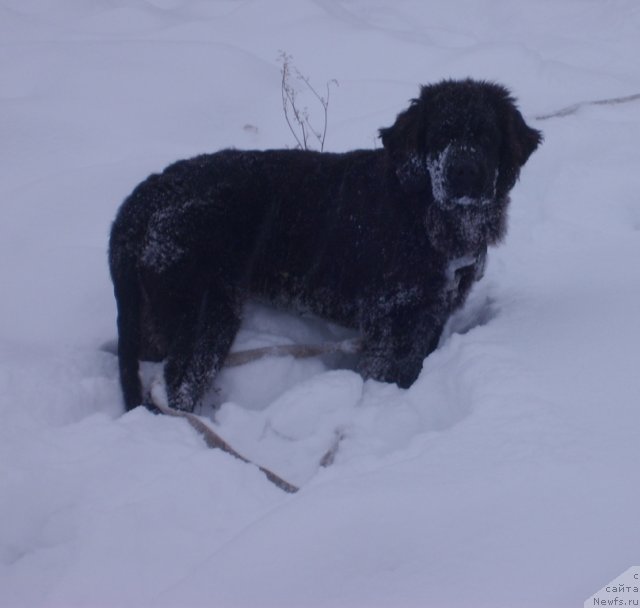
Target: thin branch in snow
x=572, y=109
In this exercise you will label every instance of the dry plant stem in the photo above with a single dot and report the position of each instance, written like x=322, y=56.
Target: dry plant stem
x=213, y=440
x=297, y=118
x=288, y=100
x=324, y=102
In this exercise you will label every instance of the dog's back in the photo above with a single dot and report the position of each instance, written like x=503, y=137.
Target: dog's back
x=314, y=231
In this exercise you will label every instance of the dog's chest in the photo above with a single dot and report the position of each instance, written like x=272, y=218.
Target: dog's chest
x=455, y=269
x=459, y=275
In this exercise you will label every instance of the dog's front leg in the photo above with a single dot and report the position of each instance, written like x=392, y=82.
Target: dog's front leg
x=394, y=348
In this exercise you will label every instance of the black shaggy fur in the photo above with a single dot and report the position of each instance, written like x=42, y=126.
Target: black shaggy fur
x=386, y=241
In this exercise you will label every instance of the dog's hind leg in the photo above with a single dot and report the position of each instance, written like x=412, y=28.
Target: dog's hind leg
x=201, y=344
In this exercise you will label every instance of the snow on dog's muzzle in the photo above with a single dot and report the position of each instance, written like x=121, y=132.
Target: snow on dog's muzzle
x=460, y=176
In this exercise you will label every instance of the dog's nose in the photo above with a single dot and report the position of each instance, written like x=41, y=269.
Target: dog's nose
x=465, y=177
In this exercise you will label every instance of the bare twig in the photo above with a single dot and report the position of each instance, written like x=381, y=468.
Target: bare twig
x=288, y=101
x=572, y=109
x=324, y=102
x=298, y=119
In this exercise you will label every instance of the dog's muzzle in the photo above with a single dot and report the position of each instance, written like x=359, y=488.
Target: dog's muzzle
x=460, y=176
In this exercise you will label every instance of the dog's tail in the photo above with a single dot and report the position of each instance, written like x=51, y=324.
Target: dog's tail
x=126, y=287
x=128, y=300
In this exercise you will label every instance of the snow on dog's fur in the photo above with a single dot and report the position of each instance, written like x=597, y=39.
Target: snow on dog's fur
x=387, y=241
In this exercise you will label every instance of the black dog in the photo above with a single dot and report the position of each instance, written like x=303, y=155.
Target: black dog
x=386, y=241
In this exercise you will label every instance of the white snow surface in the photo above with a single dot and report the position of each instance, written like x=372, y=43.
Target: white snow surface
x=507, y=476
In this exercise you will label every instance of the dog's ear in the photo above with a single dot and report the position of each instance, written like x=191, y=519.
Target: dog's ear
x=401, y=138
x=404, y=142
x=524, y=140
x=519, y=142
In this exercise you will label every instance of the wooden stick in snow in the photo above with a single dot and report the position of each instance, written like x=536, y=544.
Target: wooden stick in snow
x=213, y=440
x=298, y=351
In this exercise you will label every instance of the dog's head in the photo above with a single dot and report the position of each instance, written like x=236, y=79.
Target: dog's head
x=464, y=141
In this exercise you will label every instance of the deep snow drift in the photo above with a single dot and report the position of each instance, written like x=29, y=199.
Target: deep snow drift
x=506, y=476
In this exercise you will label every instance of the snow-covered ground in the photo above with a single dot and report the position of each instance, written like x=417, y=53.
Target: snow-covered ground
x=507, y=476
